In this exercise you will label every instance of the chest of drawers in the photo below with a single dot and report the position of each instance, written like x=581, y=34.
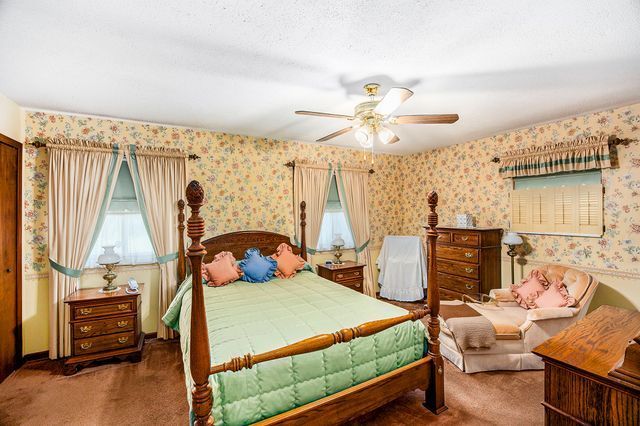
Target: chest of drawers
x=468, y=261
x=348, y=274
x=103, y=326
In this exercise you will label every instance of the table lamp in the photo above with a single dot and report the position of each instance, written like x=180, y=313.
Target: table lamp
x=109, y=259
x=337, y=244
x=512, y=240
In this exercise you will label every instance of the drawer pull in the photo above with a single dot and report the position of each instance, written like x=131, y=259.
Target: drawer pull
x=123, y=339
x=85, y=328
x=122, y=323
x=340, y=275
x=464, y=238
x=469, y=270
x=85, y=311
x=440, y=236
x=468, y=286
x=123, y=306
x=85, y=346
x=356, y=273
x=468, y=254
x=358, y=285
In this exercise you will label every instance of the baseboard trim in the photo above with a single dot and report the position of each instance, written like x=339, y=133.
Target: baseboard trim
x=35, y=356
x=149, y=336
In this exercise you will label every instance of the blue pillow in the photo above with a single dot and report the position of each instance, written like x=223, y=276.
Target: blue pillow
x=257, y=268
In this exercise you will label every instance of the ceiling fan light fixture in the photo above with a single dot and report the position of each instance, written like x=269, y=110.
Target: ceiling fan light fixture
x=385, y=135
x=364, y=137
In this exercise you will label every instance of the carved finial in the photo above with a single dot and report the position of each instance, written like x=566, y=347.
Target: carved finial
x=432, y=199
x=195, y=193
x=181, y=204
x=432, y=218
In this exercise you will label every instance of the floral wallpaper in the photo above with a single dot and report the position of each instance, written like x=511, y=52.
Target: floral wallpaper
x=247, y=185
x=467, y=182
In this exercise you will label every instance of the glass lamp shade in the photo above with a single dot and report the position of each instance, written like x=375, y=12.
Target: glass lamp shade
x=109, y=256
x=385, y=135
x=338, y=241
x=512, y=239
x=364, y=138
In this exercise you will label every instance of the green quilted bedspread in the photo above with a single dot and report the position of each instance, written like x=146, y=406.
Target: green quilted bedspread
x=253, y=318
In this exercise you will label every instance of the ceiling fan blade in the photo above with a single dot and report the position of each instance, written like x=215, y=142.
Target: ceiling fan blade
x=425, y=119
x=325, y=114
x=392, y=100
x=335, y=134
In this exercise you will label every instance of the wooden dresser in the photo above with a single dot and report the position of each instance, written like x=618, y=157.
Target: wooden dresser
x=349, y=274
x=104, y=326
x=468, y=261
x=579, y=388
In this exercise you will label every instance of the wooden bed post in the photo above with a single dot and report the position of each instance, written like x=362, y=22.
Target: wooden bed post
x=199, y=356
x=434, y=395
x=182, y=267
x=303, y=224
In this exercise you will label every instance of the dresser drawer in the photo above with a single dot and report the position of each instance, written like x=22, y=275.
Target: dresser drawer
x=450, y=295
x=348, y=275
x=444, y=237
x=460, y=269
x=466, y=238
x=459, y=284
x=101, y=327
x=103, y=343
x=92, y=311
x=463, y=254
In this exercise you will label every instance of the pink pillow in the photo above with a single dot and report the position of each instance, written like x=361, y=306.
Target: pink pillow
x=527, y=291
x=556, y=296
x=288, y=263
x=222, y=270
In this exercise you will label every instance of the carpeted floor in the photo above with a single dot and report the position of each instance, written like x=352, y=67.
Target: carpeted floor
x=153, y=392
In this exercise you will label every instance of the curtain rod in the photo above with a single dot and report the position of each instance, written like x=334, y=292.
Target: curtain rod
x=39, y=142
x=292, y=164
x=613, y=141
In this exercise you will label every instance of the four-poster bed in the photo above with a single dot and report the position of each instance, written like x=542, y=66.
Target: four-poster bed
x=422, y=369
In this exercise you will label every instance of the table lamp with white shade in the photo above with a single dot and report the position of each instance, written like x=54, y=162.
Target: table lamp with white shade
x=109, y=259
x=337, y=244
x=512, y=240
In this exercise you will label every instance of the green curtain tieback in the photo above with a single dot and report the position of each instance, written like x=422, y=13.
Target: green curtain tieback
x=362, y=247
x=167, y=258
x=70, y=272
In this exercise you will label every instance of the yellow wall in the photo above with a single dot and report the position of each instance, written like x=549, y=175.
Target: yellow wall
x=468, y=182
x=11, y=119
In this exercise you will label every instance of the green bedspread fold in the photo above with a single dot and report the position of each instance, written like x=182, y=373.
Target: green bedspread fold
x=253, y=318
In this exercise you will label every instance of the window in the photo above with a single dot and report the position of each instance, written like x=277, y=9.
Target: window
x=564, y=203
x=123, y=226
x=334, y=221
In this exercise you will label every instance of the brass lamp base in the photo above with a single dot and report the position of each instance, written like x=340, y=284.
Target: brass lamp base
x=109, y=277
x=337, y=254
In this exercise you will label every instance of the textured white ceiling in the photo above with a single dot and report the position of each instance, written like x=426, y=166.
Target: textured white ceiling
x=245, y=66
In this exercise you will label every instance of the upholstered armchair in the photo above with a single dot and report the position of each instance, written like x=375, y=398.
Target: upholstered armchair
x=519, y=330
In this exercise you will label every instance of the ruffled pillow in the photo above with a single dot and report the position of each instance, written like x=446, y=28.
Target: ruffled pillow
x=556, y=296
x=257, y=268
x=288, y=263
x=221, y=271
x=527, y=291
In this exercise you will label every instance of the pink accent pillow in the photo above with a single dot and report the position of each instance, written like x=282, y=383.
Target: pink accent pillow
x=556, y=296
x=222, y=270
x=527, y=291
x=288, y=263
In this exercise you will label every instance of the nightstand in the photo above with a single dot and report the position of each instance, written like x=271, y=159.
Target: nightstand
x=104, y=326
x=349, y=274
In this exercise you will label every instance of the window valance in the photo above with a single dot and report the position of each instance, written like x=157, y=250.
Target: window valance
x=580, y=154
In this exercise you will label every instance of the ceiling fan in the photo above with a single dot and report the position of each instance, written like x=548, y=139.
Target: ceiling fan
x=371, y=118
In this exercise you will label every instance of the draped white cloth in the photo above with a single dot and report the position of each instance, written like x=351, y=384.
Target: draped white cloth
x=311, y=185
x=403, y=268
x=353, y=190
x=160, y=178
x=81, y=183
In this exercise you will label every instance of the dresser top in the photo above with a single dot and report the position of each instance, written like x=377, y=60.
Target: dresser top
x=86, y=294
x=596, y=343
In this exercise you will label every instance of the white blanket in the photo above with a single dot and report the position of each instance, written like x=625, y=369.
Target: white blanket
x=403, y=268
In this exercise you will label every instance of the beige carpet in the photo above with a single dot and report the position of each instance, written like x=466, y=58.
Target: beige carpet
x=153, y=392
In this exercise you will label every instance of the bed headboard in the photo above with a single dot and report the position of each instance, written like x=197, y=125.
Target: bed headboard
x=238, y=242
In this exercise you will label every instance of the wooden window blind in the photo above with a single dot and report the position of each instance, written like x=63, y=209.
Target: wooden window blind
x=568, y=204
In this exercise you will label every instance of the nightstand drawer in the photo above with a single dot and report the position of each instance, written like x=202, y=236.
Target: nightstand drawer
x=356, y=285
x=92, y=311
x=343, y=276
x=102, y=343
x=102, y=327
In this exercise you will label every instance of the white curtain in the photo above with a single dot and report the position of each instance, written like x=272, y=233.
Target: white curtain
x=311, y=185
x=353, y=188
x=160, y=178
x=81, y=182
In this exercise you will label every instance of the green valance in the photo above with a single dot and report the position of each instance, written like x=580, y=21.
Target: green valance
x=585, y=153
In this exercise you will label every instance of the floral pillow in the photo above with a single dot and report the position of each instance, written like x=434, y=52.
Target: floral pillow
x=257, y=268
x=527, y=291
x=221, y=271
x=288, y=263
x=556, y=296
